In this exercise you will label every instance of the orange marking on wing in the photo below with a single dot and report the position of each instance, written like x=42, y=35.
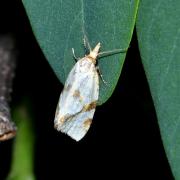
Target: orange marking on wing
x=90, y=106
x=87, y=123
x=76, y=94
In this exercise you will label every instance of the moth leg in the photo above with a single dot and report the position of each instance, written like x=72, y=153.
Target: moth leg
x=101, y=76
x=76, y=58
x=109, y=53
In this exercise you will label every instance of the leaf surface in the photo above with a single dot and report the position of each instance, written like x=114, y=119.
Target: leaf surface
x=158, y=30
x=60, y=26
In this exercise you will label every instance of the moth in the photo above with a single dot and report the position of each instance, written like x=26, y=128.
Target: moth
x=77, y=103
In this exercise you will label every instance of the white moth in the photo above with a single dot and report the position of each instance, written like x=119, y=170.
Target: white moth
x=77, y=103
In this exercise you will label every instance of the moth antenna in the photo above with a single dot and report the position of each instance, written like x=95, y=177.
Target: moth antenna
x=86, y=43
x=115, y=51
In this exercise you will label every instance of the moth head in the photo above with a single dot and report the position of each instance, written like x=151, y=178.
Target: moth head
x=94, y=53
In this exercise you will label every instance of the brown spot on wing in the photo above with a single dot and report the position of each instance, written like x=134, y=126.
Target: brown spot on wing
x=90, y=106
x=62, y=120
x=87, y=123
x=76, y=94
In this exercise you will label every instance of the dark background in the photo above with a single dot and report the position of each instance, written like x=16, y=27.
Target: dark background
x=124, y=140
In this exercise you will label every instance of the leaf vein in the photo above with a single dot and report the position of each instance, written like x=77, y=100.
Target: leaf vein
x=68, y=37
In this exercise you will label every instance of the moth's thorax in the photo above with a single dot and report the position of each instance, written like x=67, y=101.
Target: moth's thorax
x=86, y=65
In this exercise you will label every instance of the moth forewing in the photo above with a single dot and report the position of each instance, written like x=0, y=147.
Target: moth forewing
x=78, y=99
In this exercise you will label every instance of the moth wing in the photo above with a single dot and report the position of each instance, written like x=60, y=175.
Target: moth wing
x=81, y=89
x=77, y=126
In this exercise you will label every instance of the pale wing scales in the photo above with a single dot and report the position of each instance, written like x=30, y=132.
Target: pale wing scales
x=68, y=105
x=78, y=126
x=81, y=89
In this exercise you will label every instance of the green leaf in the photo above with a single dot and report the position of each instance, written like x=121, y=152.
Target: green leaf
x=158, y=30
x=22, y=166
x=60, y=26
